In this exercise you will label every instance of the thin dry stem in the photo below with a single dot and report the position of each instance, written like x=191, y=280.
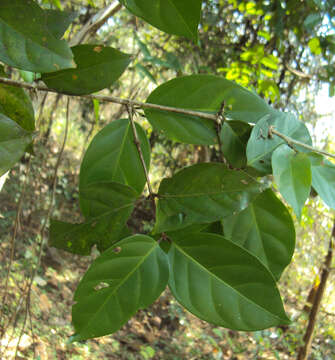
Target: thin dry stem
x=130, y=111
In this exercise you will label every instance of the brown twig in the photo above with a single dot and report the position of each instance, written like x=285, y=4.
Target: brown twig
x=220, y=119
x=137, y=142
x=291, y=142
x=113, y=99
x=138, y=104
x=96, y=22
x=12, y=243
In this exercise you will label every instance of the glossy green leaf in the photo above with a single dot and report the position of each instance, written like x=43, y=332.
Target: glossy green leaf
x=97, y=68
x=107, y=208
x=127, y=277
x=171, y=16
x=261, y=144
x=13, y=142
x=234, y=137
x=202, y=93
x=203, y=193
x=292, y=173
x=113, y=156
x=59, y=21
x=266, y=229
x=323, y=178
x=16, y=104
x=224, y=284
x=25, y=39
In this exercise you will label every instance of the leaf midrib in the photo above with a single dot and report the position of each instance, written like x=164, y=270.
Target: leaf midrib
x=116, y=288
x=220, y=280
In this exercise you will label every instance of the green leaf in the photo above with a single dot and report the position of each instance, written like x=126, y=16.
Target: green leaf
x=25, y=40
x=97, y=68
x=313, y=20
x=266, y=229
x=270, y=61
x=15, y=104
x=222, y=283
x=128, y=277
x=261, y=144
x=113, y=156
x=13, y=142
x=323, y=178
x=292, y=173
x=108, y=206
x=59, y=21
x=144, y=72
x=315, y=47
x=74, y=238
x=171, y=16
x=202, y=93
x=203, y=193
x=234, y=137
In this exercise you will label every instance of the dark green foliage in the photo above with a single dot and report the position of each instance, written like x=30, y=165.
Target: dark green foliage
x=266, y=229
x=226, y=285
x=113, y=155
x=125, y=278
x=25, y=39
x=172, y=16
x=97, y=68
x=13, y=143
x=221, y=238
x=204, y=93
x=203, y=193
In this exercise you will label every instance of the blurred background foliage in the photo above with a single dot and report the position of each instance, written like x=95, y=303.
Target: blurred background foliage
x=284, y=50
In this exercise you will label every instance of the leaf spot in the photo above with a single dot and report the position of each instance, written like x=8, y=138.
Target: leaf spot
x=56, y=66
x=244, y=182
x=117, y=250
x=100, y=286
x=74, y=77
x=94, y=224
x=97, y=49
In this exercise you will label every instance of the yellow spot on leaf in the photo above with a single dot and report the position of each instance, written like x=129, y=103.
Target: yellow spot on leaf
x=97, y=49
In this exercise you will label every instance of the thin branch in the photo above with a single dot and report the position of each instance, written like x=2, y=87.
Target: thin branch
x=96, y=22
x=137, y=104
x=298, y=73
x=12, y=242
x=137, y=142
x=113, y=99
x=220, y=119
x=291, y=142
